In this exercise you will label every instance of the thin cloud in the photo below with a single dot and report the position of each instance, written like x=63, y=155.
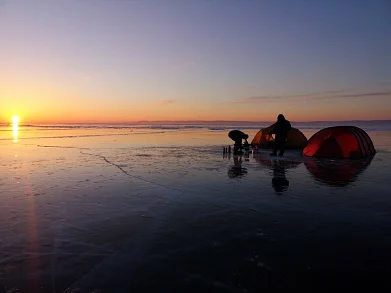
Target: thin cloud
x=287, y=97
x=314, y=96
x=358, y=95
x=166, y=102
x=384, y=83
x=245, y=87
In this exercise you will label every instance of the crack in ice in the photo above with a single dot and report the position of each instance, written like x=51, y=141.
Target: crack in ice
x=128, y=174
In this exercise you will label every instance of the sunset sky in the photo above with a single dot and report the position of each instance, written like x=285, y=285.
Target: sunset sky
x=124, y=61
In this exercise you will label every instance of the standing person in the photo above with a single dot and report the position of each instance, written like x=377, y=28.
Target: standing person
x=237, y=136
x=281, y=128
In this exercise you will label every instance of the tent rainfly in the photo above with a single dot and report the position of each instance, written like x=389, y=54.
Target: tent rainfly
x=264, y=139
x=343, y=142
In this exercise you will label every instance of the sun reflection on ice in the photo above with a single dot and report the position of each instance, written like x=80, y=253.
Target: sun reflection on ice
x=15, y=128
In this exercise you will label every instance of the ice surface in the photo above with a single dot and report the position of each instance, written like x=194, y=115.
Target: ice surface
x=149, y=211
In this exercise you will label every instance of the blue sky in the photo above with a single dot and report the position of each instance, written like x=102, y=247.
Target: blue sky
x=173, y=60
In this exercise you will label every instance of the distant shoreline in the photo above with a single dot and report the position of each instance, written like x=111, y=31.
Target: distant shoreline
x=201, y=122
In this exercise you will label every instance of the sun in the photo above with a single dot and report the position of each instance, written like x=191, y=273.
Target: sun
x=15, y=119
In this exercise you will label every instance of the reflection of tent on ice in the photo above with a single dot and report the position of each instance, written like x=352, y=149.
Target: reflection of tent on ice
x=264, y=139
x=336, y=172
x=340, y=142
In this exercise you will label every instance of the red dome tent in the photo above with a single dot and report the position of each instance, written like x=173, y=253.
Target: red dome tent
x=347, y=142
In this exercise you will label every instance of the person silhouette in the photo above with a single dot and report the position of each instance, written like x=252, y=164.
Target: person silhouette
x=281, y=128
x=237, y=170
x=279, y=181
x=237, y=136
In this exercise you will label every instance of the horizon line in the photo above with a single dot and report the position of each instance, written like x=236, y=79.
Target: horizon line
x=194, y=121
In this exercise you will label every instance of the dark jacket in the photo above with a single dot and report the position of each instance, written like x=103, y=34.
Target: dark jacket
x=237, y=135
x=282, y=127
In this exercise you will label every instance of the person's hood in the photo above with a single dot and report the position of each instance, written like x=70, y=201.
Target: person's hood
x=280, y=118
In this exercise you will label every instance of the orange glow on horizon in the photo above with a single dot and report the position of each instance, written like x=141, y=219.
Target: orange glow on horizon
x=118, y=119
x=49, y=101
x=106, y=113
